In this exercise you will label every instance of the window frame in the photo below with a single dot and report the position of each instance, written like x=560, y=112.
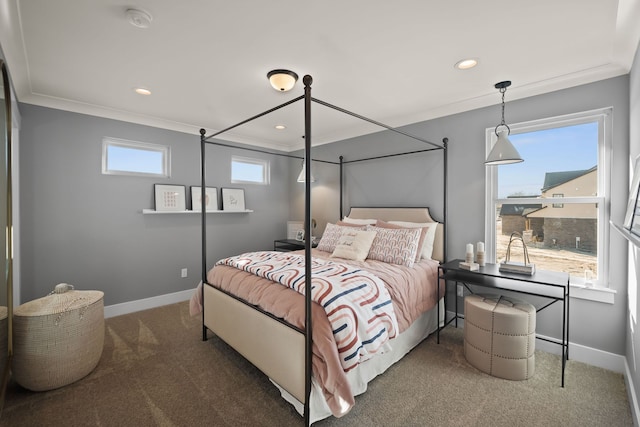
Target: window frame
x=603, y=117
x=266, y=174
x=137, y=145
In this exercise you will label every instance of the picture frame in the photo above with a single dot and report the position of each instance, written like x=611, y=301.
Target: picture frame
x=233, y=199
x=211, y=198
x=300, y=235
x=169, y=198
x=292, y=229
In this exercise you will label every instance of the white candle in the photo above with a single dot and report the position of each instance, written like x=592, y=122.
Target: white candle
x=469, y=255
x=480, y=247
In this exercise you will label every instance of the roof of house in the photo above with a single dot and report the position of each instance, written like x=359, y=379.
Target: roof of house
x=553, y=179
x=520, y=210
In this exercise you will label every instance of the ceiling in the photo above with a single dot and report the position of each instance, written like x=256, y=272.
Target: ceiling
x=205, y=61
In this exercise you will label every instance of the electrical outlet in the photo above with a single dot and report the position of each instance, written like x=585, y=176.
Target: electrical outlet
x=183, y=272
x=460, y=291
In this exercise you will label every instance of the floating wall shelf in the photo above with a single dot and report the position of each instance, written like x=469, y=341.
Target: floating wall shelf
x=155, y=212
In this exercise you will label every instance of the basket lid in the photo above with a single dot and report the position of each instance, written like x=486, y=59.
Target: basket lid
x=61, y=300
x=4, y=312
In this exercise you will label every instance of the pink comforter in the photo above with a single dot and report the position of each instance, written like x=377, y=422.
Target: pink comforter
x=412, y=291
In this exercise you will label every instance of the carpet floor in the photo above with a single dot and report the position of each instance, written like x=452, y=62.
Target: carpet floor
x=156, y=371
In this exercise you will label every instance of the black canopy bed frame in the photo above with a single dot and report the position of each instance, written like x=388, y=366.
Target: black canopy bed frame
x=294, y=333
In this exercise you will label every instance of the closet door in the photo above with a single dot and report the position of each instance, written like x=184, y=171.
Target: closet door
x=6, y=296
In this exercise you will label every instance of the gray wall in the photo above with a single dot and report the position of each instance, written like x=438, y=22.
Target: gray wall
x=416, y=181
x=632, y=350
x=85, y=228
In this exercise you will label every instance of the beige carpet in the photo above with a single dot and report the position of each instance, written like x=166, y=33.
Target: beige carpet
x=156, y=371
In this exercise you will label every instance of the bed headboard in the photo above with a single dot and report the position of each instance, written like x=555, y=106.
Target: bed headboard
x=404, y=214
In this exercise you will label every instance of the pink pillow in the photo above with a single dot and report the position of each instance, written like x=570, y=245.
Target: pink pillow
x=395, y=245
x=423, y=234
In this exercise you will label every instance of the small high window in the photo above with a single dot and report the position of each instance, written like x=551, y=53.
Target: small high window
x=245, y=170
x=122, y=157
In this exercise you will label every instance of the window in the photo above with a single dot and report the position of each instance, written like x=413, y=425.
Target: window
x=121, y=157
x=565, y=159
x=249, y=171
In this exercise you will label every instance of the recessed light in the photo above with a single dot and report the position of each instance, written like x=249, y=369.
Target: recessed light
x=465, y=64
x=280, y=127
x=142, y=91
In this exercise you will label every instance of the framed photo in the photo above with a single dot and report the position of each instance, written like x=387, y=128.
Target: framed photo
x=169, y=198
x=211, y=199
x=300, y=235
x=292, y=229
x=233, y=199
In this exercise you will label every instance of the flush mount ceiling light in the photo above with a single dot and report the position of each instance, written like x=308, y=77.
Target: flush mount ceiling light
x=280, y=127
x=139, y=18
x=282, y=80
x=503, y=151
x=465, y=64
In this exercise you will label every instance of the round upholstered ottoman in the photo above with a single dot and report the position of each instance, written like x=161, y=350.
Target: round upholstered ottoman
x=4, y=344
x=500, y=335
x=57, y=339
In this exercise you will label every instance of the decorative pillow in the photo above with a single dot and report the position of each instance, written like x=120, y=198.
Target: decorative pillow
x=395, y=246
x=359, y=221
x=423, y=233
x=331, y=235
x=354, y=244
x=427, y=245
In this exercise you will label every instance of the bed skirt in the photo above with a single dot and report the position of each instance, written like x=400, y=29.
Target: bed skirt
x=359, y=377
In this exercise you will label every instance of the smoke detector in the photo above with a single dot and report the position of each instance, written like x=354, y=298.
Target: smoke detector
x=139, y=18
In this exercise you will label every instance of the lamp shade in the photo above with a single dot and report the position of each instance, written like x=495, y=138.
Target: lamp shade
x=301, y=177
x=282, y=80
x=503, y=151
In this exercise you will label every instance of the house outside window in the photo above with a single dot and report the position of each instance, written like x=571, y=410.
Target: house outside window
x=566, y=159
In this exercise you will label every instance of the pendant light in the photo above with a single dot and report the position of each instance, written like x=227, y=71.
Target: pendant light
x=301, y=177
x=503, y=151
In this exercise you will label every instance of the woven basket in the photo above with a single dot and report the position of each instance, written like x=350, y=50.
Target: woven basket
x=4, y=344
x=57, y=339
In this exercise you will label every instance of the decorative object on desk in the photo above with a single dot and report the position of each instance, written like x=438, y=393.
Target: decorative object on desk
x=169, y=198
x=480, y=253
x=471, y=266
x=509, y=266
x=469, y=254
x=588, y=278
x=233, y=199
x=300, y=235
x=211, y=199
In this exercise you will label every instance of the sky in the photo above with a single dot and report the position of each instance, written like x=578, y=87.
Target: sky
x=552, y=150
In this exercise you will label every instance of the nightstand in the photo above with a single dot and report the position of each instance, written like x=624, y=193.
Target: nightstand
x=286, y=245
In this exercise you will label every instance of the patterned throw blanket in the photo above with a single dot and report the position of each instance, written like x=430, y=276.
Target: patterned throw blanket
x=356, y=302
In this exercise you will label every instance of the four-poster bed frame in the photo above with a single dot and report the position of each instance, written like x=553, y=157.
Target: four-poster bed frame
x=263, y=334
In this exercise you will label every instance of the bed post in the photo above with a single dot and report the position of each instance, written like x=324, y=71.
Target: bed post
x=341, y=196
x=444, y=209
x=307, y=244
x=203, y=219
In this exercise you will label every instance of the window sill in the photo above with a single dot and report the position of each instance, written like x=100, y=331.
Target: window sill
x=597, y=294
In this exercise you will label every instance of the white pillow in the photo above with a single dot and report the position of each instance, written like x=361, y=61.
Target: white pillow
x=359, y=221
x=427, y=244
x=354, y=244
x=331, y=235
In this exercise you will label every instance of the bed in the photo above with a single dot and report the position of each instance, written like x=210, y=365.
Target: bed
x=291, y=345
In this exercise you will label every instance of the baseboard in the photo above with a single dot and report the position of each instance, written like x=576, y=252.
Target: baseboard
x=578, y=352
x=147, y=303
x=631, y=393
